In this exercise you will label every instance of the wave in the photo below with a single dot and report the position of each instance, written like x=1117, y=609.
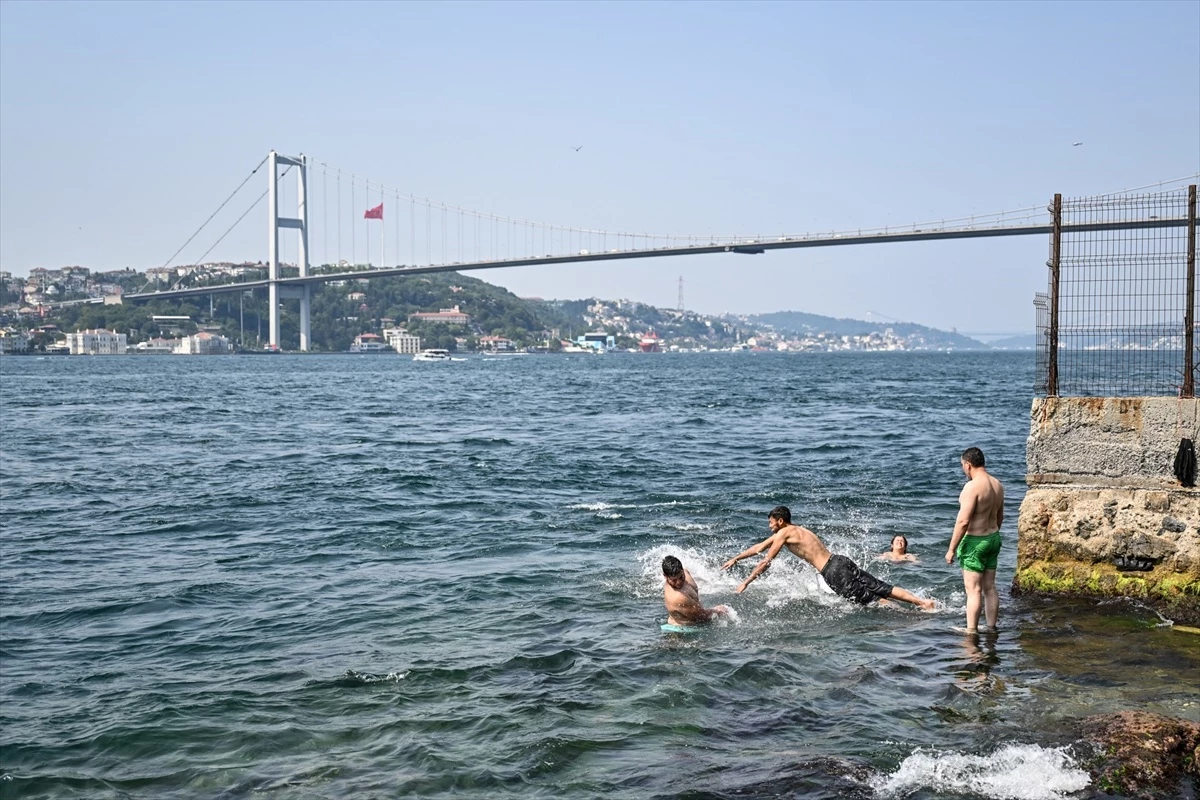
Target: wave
x=1012, y=772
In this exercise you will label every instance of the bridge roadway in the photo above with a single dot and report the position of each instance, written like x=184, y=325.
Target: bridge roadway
x=744, y=246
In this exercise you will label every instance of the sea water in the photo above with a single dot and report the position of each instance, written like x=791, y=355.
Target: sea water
x=360, y=577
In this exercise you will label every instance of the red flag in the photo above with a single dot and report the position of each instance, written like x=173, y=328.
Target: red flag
x=374, y=213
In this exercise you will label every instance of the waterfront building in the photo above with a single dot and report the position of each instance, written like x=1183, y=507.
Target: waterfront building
x=402, y=341
x=13, y=342
x=597, y=340
x=496, y=343
x=204, y=344
x=368, y=343
x=98, y=342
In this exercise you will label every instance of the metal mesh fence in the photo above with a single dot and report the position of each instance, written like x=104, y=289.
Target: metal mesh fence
x=1115, y=320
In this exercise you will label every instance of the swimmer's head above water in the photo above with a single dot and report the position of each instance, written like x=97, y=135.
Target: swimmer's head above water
x=903, y=548
x=781, y=513
x=672, y=569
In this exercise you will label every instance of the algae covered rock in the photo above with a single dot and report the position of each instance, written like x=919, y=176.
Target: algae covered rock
x=1144, y=755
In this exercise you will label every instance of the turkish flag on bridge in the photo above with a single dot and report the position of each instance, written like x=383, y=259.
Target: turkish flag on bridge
x=374, y=213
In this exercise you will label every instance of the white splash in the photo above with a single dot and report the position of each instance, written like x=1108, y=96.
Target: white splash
x=1012, y=772
x=788, y=580
x=705, y=567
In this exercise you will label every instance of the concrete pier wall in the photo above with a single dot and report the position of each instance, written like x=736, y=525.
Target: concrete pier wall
x=1104, y=514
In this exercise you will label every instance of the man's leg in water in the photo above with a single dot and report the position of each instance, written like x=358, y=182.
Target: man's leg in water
x=991, y=598
x=973, y=584
x=909, y=597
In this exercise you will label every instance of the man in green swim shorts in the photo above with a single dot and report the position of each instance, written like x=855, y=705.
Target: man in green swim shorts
x=976, y=540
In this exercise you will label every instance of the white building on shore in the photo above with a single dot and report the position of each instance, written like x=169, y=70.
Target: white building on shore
x=204, y=344
x=96, y=343
x=402, y=341
x=13, y=342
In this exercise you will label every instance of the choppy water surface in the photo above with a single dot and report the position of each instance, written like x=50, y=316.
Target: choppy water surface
x=363, y=577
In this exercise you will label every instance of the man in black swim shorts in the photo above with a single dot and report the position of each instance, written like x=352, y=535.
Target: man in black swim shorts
x=843, y=575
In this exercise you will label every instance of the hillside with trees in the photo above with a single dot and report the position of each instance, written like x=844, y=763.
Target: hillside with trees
x=344, y=309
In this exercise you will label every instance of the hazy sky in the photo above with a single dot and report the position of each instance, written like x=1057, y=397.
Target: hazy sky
x=124, y=125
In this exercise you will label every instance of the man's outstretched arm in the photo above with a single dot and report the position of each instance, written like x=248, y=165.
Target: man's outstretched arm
x=775, y=546
x=753, y=551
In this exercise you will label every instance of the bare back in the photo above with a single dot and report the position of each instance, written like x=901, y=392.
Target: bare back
x=983, y=499
x=805, y=544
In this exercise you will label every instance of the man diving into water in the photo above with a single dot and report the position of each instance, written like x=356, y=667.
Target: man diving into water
x=683, y=598
x=842, y=574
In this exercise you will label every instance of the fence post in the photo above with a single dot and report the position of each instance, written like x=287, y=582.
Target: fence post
x=1189, y=303
x=1055, y=258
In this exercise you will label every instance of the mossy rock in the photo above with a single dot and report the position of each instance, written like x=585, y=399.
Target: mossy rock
x=1176, y=595
x=1144, y=755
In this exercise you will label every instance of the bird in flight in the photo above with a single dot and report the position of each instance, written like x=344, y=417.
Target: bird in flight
x=577, y=149
x=1076, y=144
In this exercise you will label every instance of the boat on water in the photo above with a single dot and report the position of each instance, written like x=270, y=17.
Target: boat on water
x=435, y=354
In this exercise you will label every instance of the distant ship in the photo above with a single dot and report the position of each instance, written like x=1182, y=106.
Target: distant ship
x=650, y=343
x=435, y=354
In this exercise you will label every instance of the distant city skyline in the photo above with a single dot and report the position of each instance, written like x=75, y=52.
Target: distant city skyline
x=123, y=126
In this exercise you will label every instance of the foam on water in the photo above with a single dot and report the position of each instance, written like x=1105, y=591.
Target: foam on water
x=1012, y=772
x=683, y=527
x=598, y=506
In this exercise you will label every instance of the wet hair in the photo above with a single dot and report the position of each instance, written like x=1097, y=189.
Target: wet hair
x=902, y=538
x=781, y=513
x=672, y=566
x=973, y=456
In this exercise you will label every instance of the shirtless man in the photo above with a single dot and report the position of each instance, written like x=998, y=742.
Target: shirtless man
x=683, y=598
x=899, y=551
x=842, y=574
x=976, y=539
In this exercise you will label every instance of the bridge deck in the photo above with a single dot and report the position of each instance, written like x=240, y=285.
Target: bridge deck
x=745, y=246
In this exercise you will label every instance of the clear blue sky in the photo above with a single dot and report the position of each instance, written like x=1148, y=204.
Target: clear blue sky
x=124, y=125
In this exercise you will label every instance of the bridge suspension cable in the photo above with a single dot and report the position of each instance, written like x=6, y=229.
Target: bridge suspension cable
x=167, y=263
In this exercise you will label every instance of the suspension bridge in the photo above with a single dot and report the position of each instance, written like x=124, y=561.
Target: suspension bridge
x=458, y=239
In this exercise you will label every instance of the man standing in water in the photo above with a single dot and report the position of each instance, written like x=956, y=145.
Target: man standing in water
x=976, y=540
x=682, y=597
x=842, y=574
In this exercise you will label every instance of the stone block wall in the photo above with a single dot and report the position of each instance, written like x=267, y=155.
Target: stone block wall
x=1104, y=514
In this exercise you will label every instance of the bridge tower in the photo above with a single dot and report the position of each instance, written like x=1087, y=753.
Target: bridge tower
x=300, y=223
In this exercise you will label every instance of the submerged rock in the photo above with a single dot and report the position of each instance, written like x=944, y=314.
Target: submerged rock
x=1142, y=754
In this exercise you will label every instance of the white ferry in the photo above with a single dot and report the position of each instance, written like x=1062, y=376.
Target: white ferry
x=432, y=355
